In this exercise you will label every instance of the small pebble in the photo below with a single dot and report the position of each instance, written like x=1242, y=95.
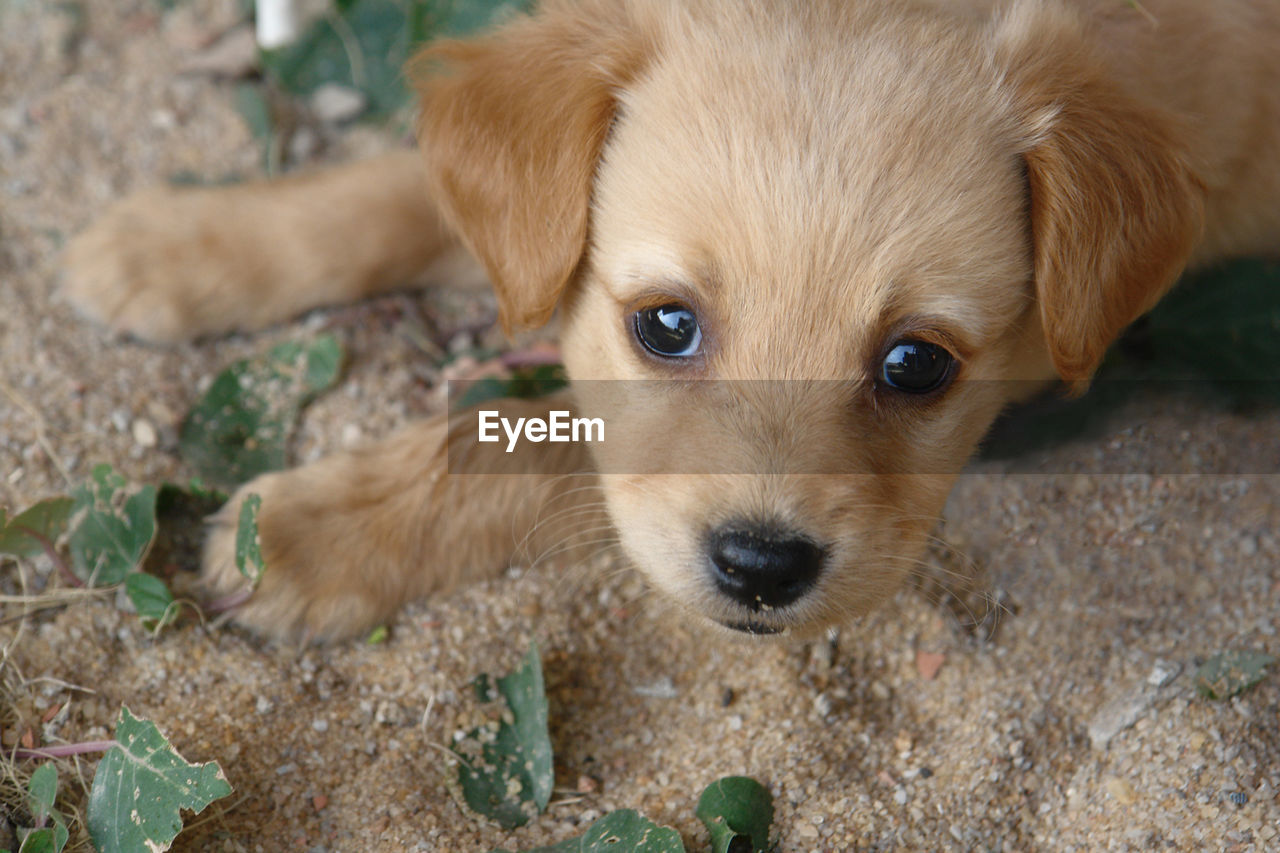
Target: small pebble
x=1122, y=791
x=303, y=145
x=663, y=688
x=388, y=714
x=1163, y=673
x=335, y=104
x=352, y=435
x=144, y=434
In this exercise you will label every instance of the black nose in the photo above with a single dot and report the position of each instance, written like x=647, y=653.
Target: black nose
x=763, y=569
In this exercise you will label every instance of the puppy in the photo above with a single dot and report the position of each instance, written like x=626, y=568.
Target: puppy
x=870, y=222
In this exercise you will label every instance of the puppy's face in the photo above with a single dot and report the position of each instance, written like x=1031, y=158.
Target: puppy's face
x=834, y=283
x=812, y=252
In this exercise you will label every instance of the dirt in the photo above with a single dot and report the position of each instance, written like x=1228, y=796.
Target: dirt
x=899, y=733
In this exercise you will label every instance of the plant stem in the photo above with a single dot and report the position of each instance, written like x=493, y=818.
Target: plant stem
x=66, y=749
x=52, y=553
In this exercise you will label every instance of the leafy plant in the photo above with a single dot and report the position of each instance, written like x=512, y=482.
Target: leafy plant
x=250, y=101
x=36, y=529
x=737, y=811
x=505, y=767
x=152, y=599
x=241, y=425
x=623, y=830
x=248, y=543
x=364, y=44
x=140, y=787
x=113, y=524
x=1231, y=673
x=506, y=773
x=524, y=382
x=49, y=835
x=1216, y=336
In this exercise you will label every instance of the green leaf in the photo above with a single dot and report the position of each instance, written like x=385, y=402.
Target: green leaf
x=737, y=811
x=41, y=792
x=506, y=771
x=1215, y=336
x=197, y=488
x=254, y=109
x=248, y=543
x=140, y=787
x=114, y=524
x=240, y=427
x=50, y=840
x=364, y=44
x=151, y=598
x=377, y=636
x=1231, y=673
x=1222, y=324
x=623, y=831
x=524, y=383
x=47, y=519
x=250, y=101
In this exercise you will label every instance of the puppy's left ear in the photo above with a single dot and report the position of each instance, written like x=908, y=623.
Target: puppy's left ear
x=512, y=127
x=1116, y=208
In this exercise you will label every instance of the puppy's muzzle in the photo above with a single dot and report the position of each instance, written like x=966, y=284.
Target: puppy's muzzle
x=760, y=569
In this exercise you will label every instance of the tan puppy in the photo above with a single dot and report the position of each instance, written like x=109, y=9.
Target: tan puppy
x=882, y=203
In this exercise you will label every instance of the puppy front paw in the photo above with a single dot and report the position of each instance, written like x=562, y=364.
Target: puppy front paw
x=319, y=580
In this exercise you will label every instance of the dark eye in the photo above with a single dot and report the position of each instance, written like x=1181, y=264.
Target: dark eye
x=670, y=331
x=916, y=367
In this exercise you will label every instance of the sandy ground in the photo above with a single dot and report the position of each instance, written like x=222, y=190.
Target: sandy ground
x=1113, y=579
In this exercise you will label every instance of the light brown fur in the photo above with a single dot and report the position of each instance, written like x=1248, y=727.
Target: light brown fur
x=1017, y=181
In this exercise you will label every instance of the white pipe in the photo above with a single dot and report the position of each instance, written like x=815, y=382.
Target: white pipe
x=278, y=23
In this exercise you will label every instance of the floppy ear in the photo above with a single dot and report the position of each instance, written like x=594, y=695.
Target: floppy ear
x=1116, y=208
x=511, y=128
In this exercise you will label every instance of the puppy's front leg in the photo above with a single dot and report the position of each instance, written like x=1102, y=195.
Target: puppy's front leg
x=172, y=264
x=350, y=538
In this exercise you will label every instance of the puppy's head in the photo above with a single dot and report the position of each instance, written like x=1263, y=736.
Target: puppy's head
x=823, y=243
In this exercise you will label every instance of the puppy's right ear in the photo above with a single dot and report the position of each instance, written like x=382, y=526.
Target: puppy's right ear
x=511, y=128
